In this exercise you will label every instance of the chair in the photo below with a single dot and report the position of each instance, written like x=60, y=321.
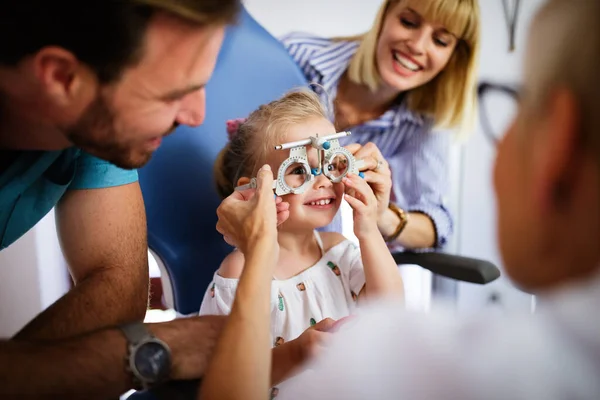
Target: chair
x=178, y=188
x=177, y=184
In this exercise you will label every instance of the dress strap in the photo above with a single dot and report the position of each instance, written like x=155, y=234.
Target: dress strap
x=319, y=242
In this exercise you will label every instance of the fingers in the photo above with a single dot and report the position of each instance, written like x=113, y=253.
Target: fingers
x=353, y=148
x=282, y=205
x=377, y=181
x=243, y=195
x=230, y=241
x=355, y=203
x=324, y=325
x=264, y=182
x=361, y=188
x=378, y=165
x=340, y=323
x=368, y=150
x=282, y=217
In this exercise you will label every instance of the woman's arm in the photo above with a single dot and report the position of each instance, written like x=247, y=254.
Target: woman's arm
x=241, y=365
x=419, y=172
x=419, y=231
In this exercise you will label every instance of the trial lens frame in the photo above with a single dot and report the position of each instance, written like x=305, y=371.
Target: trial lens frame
x=328, y=149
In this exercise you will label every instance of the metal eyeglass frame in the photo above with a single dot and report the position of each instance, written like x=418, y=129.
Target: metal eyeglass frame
x=328, y=148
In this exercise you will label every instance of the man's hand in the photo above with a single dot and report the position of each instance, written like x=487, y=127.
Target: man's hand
x=92, y=366
x=252, y=214
x=192, y=341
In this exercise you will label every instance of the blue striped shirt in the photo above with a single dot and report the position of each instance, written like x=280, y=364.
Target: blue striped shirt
x=417, y=156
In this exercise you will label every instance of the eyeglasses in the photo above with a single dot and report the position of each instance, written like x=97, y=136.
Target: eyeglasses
x=498, y=105
x=295, y=173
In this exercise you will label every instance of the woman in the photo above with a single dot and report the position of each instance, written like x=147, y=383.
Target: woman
x=413, y=72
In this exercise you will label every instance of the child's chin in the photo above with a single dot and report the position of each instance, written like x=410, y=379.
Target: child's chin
x=316, y=220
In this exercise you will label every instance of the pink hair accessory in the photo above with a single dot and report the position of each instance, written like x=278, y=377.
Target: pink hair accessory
x=233, y=126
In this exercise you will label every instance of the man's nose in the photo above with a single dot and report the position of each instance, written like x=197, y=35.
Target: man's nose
x=193, y=109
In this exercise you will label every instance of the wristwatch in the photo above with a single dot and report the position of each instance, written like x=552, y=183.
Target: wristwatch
x=403, y=217
x=148, y=358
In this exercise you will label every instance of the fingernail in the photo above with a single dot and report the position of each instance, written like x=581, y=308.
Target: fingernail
x=266, y=167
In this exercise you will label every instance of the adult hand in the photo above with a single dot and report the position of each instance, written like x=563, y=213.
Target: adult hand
x=192, y=341
x=245, y=217
x=377, y=173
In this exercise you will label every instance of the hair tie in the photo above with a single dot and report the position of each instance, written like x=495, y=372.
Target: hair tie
x=233, y=126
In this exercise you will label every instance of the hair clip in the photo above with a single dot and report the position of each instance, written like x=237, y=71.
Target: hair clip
x=233, y=126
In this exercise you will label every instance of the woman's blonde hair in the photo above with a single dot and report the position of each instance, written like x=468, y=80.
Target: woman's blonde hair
x=450, y=98
x=248, y=148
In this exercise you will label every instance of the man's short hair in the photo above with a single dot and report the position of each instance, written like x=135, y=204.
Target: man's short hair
x=106, y=35
x=564, y=49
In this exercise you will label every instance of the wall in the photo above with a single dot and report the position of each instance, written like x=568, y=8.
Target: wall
x=477, y=232
x=33, y=276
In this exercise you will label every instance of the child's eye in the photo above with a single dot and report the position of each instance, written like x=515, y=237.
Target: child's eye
x=298, y=171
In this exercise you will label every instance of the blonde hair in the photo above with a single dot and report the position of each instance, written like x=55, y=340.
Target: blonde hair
x=450, y=98
x=248, y=148
x=565, y=51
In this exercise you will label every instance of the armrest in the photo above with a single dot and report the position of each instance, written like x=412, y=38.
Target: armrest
x=450, y=266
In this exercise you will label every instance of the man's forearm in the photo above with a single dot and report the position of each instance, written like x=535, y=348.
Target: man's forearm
x=93, y=365
x=98, y=302
x=87, y=367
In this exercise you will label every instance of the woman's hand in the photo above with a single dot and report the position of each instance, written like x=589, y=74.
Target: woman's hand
x=362, y=199
x=377, y=173
x=253, y=215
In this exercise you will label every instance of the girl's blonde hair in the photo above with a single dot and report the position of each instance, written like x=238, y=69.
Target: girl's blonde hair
x=248, y=148
x=450, y=98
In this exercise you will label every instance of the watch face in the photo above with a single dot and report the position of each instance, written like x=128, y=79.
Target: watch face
x=152, y=361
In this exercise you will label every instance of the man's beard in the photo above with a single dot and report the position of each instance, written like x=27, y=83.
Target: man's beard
x=95, y=133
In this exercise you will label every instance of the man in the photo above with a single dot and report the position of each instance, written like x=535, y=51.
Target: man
x=547, y=180
x=87, y=91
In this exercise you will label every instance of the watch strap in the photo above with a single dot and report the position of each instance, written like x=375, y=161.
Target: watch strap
x=403, y=217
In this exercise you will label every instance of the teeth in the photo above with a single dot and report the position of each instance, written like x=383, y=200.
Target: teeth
x=322, y=202
x=406, y=63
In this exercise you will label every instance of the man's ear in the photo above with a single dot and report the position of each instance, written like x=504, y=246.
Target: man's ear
x=243, y=181
x=60, y=73
x=556, y=148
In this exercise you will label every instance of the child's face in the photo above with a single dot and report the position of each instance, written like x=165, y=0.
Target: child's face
x=321, y=200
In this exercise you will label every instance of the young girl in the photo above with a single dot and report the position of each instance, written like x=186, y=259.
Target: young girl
x=317, y=275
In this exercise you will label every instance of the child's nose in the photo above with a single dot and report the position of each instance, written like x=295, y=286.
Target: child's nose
x=321, y=181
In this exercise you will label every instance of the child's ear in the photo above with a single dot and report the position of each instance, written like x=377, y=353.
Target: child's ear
x=243, y=181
